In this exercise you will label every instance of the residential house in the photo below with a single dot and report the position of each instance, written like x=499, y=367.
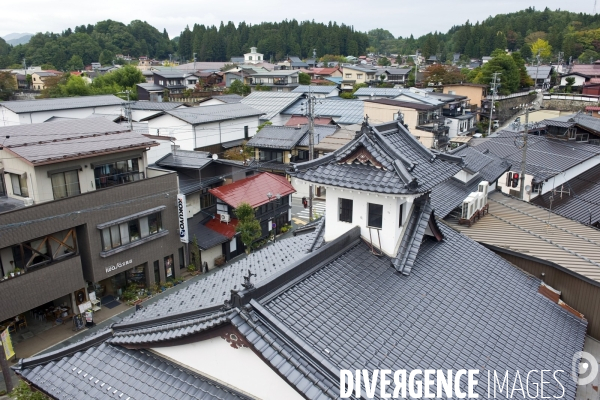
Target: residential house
x=342, y=112
x=270, y=195
x=35, y=111
x=89, y=218
x=272, y=105
x=319, y=92
x=374, y=93
x=397, y=76
x=580, y=79
x=589, y=70
x=575, y=127
x=142, y=110
x=276, y=81
x=197, y=173
x=211, y=128
x=472, y=91
x=222, y=99
x=378, y=188
x=38, y=79
x=485, y=59
x=292, y=63
x=550, y=162
x=324, y=73
x=107, y=69
x=541, y=75
x=173, y=81
x=425, y=121
x=277, y=146
x=353, y=75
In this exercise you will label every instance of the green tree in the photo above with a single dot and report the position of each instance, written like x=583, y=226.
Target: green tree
x=248, y=226
x=8, y=85
x=541, y=47
x=47, y=66
x=524, y=80
x=237, y=87
x=570, y=82
x=106, y=57
x=505, y=64
x=24, y=392
x=75, y=63
x=266, y=123
x=304, y=78
x=384, y=62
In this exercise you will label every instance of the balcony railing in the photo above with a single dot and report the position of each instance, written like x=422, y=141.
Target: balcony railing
x=118, y=179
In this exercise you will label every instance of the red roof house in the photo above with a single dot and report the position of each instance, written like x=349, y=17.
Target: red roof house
x=253, y=190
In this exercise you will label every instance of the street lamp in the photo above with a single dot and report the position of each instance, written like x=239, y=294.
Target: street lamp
x=277, y=197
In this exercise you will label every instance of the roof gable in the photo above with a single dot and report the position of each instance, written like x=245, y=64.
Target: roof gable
x=253, y=190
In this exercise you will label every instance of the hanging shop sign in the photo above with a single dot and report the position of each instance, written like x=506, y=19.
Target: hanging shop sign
x=182, y=217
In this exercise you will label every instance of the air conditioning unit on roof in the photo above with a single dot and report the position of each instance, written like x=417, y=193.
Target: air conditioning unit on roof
x=468, y=206
x=483, y=187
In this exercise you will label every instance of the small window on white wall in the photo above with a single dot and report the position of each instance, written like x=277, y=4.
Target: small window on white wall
x=375, y=215
x=401, y=215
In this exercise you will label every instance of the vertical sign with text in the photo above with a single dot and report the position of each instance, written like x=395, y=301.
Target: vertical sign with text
x=182, y=217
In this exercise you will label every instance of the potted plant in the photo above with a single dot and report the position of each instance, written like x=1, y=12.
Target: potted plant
x=18, y=271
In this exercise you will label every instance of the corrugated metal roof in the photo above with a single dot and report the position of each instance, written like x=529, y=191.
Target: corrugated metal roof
x=46, y=143
x=541, y=72
x=583, y=120
x=23, y=106
x=229, y=98
x=202, y=115
x=390, y=92
x=545, y=157
x=315, y=89
x=342, y=111
x=271, y=103
x=278, y=137
x=185, y=159
x=525, y=228
x=155, y=105
x=580, y=200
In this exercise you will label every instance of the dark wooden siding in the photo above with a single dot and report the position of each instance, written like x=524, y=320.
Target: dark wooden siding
x=575, y=291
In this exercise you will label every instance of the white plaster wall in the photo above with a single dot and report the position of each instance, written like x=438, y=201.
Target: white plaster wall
x=239, y=368
x=211, y=102
x=8, y=117
x=192, y=204
x=6, y=256
x=579, y=80
x=154, y=172
x=136, y=115
x=156, y=152
x=391, y=232
x=76, y=113
x=209, y=255
x=16, y=165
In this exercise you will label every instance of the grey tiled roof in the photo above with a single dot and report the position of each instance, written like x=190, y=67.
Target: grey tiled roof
x=206, y=237
x=25, y=106
x=389, y=92
x=405, y=162
x=448, y=195
x=215, y=288
x=545, y=157
x=315, y=89
x=229, y=98
x=342, y=111
x=413, y=236
x=583, y=120
x=46, y=143
x=452, y=312
x=154, y=105
x=185, y=159
x=278, y=137
x=270, y=103
x=203, y=115
x=582, y=200
x=106, y=371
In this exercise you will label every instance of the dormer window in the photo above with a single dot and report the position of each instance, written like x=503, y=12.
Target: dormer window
x=375, y=215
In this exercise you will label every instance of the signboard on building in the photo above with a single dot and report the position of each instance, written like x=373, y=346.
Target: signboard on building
x=182, y=217
x=9, y=352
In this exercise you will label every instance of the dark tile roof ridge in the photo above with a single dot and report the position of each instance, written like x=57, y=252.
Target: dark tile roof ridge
x=543, y=220
x=300, y=346
x=413, y=236
x=388, y=148
x=320, y=231
x=76, y=347
x=415, y=143
x=459, y=148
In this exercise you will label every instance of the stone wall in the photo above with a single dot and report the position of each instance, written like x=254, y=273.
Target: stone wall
x=567, y=105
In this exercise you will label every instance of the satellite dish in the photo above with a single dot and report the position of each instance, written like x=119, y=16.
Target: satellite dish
x=214, y=156
x=528, y=188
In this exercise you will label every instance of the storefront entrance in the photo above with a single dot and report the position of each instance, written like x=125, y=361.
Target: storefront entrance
x=116, y=284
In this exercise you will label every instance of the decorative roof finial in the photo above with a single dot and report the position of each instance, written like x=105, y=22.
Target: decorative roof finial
x=247, y=284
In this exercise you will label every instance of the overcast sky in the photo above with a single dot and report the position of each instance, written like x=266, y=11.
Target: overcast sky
x=401, y=17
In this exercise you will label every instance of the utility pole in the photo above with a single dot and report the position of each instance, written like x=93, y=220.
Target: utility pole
x=128, y=109
x=194, y=62
x=311, y=146
x=5, y=370
x=537, y=69
x=495, y=84
x=416, y=66
x=524, y=156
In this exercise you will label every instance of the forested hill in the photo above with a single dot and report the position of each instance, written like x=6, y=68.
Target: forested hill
x=274, y=40
x=102, y=41
x=577, y=35
x=91, y=43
